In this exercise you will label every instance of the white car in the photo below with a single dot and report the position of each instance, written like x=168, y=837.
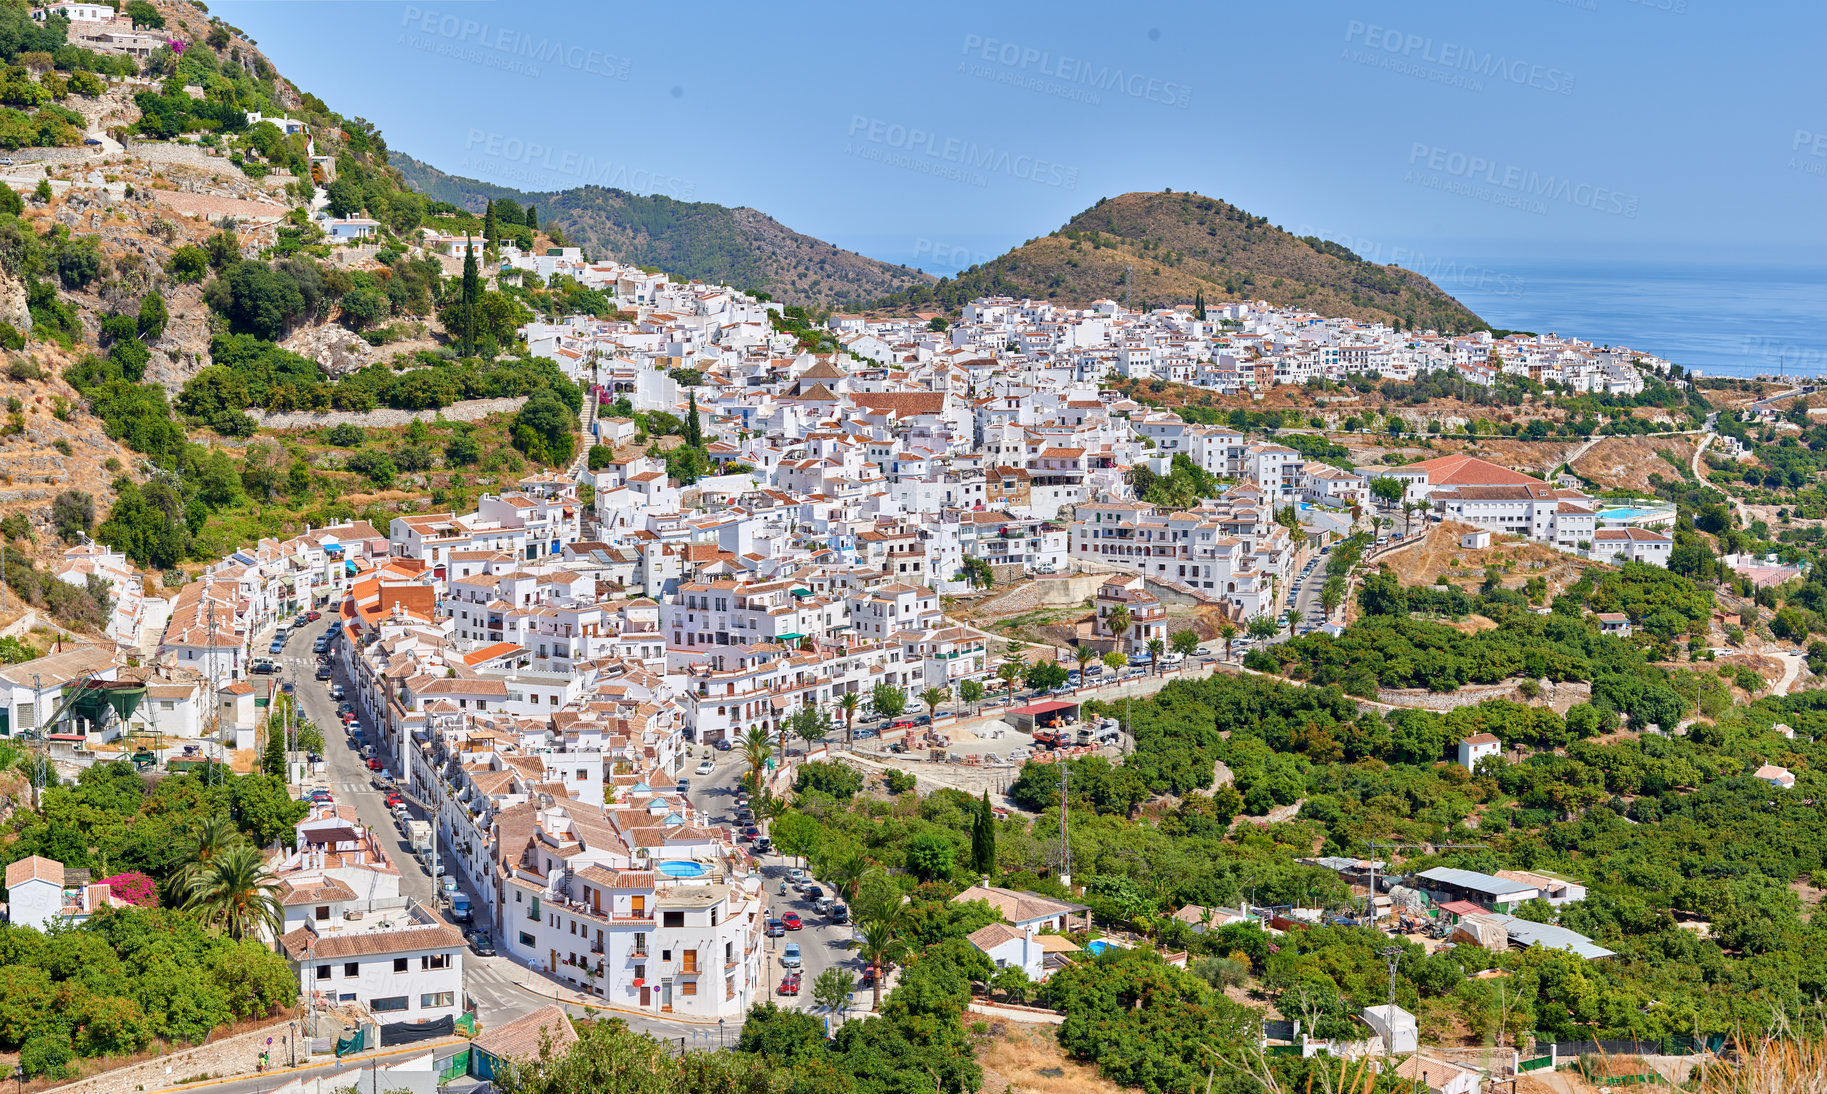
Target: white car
x=705, y=767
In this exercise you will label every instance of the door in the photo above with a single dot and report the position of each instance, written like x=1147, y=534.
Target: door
x=666, y=995
x=646, y=996
x=552, y=962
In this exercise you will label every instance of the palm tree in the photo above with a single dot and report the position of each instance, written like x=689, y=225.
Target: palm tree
x=208, y=840
x=1185, y=642
x=1228, y=632
x=235, y=891
x=1292, y=615
x=1156, y=648
x=847, y=704
x=1008, y=672
x=882, y=942
x=1085, y=655
x=932, y=697
x=1118, y=621
x=757, y=748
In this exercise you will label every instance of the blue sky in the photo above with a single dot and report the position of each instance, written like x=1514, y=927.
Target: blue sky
x=937, y=134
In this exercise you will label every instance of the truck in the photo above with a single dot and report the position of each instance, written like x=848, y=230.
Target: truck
x=459, y=907
x=1048, y=738
x=418, y=833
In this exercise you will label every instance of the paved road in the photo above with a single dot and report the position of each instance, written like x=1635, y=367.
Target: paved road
x=350, y=780
x=1307, y=593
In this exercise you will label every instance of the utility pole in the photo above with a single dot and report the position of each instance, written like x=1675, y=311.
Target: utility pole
x=1392, y=954
x=1065, y=844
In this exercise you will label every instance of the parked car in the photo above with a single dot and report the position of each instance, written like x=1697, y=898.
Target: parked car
x=277, y=646
x=775, y=928
x=751, y=832
x=789, y=984
x=791, y=921
x=763, y=846
x=336, y=691
x=323, y=672
x=865, y=733
x=813, y=892
x=706, y=767
x=450, y=881
x=320, y=795
x=789, y=957
x=924, y=720
x=483, y=944
x=314, y=615
x=265, y=668
x=723, y=744
x=838, y=913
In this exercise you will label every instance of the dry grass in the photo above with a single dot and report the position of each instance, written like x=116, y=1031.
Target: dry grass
x=1774, y=1067
x=1026, y=1059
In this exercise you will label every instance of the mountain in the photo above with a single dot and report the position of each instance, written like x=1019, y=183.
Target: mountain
x=689, y=239
x=1161, y=249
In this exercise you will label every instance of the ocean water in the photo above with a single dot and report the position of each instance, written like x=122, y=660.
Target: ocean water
x=1724, y=319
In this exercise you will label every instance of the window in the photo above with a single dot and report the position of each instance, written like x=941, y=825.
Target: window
x=323, y=912
x=672, y=919
x=399, y=964
x=689, y=963
x=689, y=987
x=325, y=972
x=392, y=1002
x=435, y=961
x=352, y=968
x=640, y=972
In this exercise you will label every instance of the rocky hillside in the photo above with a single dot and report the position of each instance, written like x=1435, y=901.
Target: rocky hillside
x=735, y=246
x=1161, y=249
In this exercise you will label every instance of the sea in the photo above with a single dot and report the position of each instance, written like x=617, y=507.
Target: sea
x=1723, y=319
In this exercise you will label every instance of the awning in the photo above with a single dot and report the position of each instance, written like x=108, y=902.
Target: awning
x=1044, y=708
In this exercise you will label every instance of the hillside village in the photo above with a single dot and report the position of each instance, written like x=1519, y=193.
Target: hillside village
x=842, y=690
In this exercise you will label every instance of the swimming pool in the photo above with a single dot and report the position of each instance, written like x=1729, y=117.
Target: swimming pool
x=1629, y=514
x=682, y=868
x=1099, y=946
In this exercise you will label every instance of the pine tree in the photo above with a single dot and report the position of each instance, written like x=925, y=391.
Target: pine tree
x=491, y=228
x=694, y=432
x=983, y=839
x=533, y=216
x=469, y=304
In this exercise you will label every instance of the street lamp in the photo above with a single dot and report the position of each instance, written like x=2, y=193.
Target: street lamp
x=719, y=1033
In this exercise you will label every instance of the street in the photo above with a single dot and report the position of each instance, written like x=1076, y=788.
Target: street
x=1307, y=593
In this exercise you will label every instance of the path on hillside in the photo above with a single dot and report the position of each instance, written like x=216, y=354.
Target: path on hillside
x=1792, y=670
x=1744, y=514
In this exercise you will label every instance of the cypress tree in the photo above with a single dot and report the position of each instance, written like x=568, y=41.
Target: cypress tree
x=468, y=305
x=533, y=216
x=983, y=838
x=491, y=228
x=694, y=433
x=1199, y=305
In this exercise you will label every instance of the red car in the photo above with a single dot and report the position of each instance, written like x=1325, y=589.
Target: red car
x=393, y=800
x=313, y=616
x=374, y=764
x=791, y=922
x=789, y=984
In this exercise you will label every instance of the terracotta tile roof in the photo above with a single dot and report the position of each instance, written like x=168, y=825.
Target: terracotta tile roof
x=524, y=1037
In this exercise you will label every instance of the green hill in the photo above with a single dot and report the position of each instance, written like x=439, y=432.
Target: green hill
x=1159, y=249
x=688, y=239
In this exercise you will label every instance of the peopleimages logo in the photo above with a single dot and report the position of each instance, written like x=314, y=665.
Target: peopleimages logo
x=536, y=164
x=918, y=150
x=1448, y=273
x=1064, y=76
x=1808, y=152
x=1400, y=52
x=947, y=256
x=502, y=48
x=1517, y=187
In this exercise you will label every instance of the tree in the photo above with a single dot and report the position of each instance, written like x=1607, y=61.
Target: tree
x=235, y=892
x=931, y=855
x=1008, y=672
x=469, y=301
x=934, y=698
x=545, y=428
x=72, y=515
x=889, y=701
x=1387, y=490
x=971, y=691
x=757, y=749
x=491, y=226
x=809, y=724
x=978, y=573
x=1118, y=622
x=1014, y=984
x=1084, y=654
x=832, y=989
x=1156, y=648
x=1045, y=676
x=983, y=838
x=881, y=942
x=43, y=191
x=847, y=703
x=1292, y=615
x=1185, y=641
x=1262, y=626
x=796, y=834
x=1115, y=660
x=274, y=759
x=1228, y=632
x=154, y=315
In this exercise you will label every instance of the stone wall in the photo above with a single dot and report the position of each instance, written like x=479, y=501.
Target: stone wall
x=236, y=1055
x=1557, y=696
x=468, y=410
x=190, y=155
x=1056, y=591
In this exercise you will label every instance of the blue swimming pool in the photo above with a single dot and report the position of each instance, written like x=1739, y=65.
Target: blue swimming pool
x=682, y=868
x=1627, y=514
x=1098, y=946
